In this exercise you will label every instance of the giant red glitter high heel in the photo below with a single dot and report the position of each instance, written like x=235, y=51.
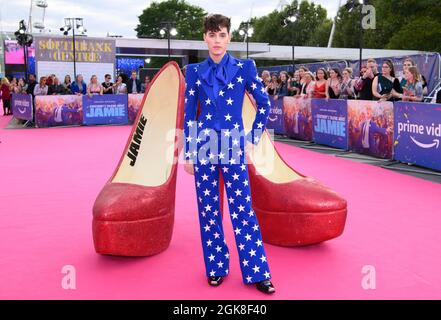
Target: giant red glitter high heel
x=134, y=213
x=292, y=209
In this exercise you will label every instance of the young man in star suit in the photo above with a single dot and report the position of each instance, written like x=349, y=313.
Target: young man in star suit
x=215, y=144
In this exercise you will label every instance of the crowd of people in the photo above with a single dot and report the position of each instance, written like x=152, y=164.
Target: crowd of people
x=340, y=84
x=51, y=85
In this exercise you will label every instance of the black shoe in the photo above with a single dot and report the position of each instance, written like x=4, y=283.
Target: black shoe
x=265, y=286
x=215, y=281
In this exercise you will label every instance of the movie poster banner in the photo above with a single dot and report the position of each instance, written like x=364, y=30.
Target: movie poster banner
x=22, y=106
x=135, y=101
x=297, y=118
x=418, y=134
x=53, y=111
x=330, y=118
x=105, y=109
x=370, y=126
x=275, y=117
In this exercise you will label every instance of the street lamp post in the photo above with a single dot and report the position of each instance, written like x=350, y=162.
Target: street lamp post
x=290, y=20
x=73, y=24
x=351, y=6
x=169, y=29
x=247, y=32
x=25, y=40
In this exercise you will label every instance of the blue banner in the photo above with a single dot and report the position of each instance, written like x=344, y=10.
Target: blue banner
x=418, y=134
x=275, y=117
x=330, y=119
x=105, y=109
x=22, y=106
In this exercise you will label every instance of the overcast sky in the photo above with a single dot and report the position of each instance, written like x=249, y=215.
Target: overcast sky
x=120, y=17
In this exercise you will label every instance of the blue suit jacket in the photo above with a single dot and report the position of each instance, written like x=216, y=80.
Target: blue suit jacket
x=226, y=108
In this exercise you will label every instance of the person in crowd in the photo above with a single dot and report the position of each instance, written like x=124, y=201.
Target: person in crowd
x=119, y=87
x=294, y=85
x=302, y=71
x=22, y=86
x=321, y=84
x=358, y=82
x=283, y=86
x=412, y=86
x=78, y=87
x=56, y=88
x=107, y=84
x=145, y=84
x=13, y=85
x=347, y=86
x=266, y=77
x=365, y=82
x=94, y=87
x=273, y=87
x=386, y=87
x=50, y=80
x=408, y=62
x=41, y=89
x=5, y=90
x=133, y=84
x=32, y=82
x=334, y=83
x=308, y=85
x=67, y=84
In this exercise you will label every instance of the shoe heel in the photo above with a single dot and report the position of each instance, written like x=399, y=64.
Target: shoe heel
x=133, y=238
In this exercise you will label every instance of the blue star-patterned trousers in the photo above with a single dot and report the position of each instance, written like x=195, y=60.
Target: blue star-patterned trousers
x=229, y=160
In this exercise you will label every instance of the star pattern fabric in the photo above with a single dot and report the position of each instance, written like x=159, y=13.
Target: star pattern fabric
x=223, y=111
x=215, y=143
x=210, y=164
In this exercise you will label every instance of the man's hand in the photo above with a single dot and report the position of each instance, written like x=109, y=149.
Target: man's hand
x=188, y=167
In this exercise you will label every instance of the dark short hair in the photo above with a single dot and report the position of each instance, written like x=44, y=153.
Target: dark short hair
x=214, y=23
x=107, y=76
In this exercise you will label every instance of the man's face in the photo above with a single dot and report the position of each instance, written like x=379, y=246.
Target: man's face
x=133, y=75
x=217, y=41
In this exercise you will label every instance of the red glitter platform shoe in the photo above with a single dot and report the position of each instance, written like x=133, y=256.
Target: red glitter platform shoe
x=133, y=214
x=292, y=209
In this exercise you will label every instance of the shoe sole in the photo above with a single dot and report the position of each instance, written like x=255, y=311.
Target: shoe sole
x=129, y=238
x=300, y=229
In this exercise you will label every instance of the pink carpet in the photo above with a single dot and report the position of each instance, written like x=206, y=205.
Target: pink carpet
x=49, y=179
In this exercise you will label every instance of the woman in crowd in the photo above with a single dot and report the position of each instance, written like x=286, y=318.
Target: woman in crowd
x=321, y=85
x=41, y=89
x=145, y=84
x=412, y=86
x=386, y=87
x=13, y=86
x=283, y=87
x=347, y=86
x=56, y=88
x=5, y=90
x=94, y=87
x=266, y=77
x=273, y=87
x=302, y=71
x=119, y=87
x=66, y=84
x=294, y=85
x=78, y=87
x=308, y=85
x=408, y=62
x=22, y=86
x=334, y=83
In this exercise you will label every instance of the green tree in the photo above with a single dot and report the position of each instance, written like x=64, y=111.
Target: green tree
x=311, y=27
x=187, y=19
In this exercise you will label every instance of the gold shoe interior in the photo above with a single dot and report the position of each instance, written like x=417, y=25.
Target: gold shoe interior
x=264, y=156
x=156, y=152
